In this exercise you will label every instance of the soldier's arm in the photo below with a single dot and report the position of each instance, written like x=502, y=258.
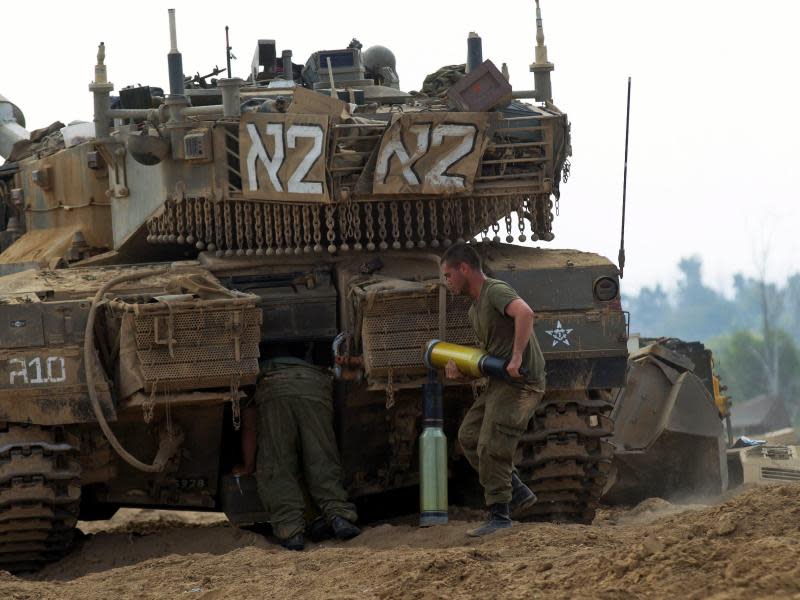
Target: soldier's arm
x=522, y=314
x=249, y=442
x=451, y=372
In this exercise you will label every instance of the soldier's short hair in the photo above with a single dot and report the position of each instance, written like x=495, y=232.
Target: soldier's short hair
x=461, y=252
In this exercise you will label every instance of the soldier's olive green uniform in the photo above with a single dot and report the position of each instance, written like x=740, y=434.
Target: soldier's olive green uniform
x=494, y=424
x=296, y=443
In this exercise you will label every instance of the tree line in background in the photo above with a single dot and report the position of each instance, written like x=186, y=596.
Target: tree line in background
x=754, y=335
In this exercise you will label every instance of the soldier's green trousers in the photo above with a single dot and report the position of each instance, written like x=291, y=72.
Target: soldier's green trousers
x=490, y=432
x=296, y=444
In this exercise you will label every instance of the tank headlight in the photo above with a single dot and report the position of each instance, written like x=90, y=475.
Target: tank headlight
x=605, y=289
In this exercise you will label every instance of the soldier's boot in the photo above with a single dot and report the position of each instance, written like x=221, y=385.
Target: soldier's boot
x=522, y=498
x=498, y=519
x=320, y=530
x=297, y=542
x=344, y=529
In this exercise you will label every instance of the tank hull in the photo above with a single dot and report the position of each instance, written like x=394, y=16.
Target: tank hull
x=305, y=304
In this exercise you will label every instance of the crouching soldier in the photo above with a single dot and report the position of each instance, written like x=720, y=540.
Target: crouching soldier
x=290, y=422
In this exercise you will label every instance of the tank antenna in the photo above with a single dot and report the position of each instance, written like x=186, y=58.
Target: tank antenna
x=541, y=68
x=101, y=90
x=228, y=51
x=174, y=59
x=621, y=258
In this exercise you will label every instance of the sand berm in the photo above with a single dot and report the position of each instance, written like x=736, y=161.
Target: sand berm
x=746, y=546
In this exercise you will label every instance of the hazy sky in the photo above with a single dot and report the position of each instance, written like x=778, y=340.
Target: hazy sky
x=715, y=127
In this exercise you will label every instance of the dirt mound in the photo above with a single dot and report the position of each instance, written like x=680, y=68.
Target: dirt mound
x=143, y=520
x=745, y=547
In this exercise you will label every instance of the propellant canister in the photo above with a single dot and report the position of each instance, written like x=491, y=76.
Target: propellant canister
x=432, y=456
x=472, y=362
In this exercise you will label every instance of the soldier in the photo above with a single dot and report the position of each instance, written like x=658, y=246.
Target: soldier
x=494, y=424
x=291, y=423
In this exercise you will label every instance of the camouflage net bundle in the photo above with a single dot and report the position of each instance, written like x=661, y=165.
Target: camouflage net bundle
x=437, y=83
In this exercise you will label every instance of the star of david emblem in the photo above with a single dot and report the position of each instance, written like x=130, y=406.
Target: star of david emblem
x=559, y=334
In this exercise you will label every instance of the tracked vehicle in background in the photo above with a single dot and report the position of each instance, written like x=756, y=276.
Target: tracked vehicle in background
x=152, y=257
x=669, y=440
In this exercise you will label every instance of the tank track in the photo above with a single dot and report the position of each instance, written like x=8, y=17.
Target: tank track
x=39, y=495
x=566, y=458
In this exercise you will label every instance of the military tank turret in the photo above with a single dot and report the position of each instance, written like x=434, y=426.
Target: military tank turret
x=153, y=256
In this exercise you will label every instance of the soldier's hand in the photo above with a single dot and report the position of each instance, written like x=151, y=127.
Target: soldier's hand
x=513, y=367
x=240, y=470
x=451, y=370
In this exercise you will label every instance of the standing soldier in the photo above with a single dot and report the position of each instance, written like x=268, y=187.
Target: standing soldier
x=292, y=426
x=494, y=424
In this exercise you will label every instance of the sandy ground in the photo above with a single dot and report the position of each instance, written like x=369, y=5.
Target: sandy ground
x=745, y=547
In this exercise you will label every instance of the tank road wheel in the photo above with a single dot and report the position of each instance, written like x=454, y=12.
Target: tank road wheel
x=566, y=458
x=39, y=495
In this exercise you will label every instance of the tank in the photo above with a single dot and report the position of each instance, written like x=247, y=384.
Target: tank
x=149, y=264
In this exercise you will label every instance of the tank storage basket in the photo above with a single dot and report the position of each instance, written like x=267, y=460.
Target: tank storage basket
x=397, y=322
x=181, y=342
